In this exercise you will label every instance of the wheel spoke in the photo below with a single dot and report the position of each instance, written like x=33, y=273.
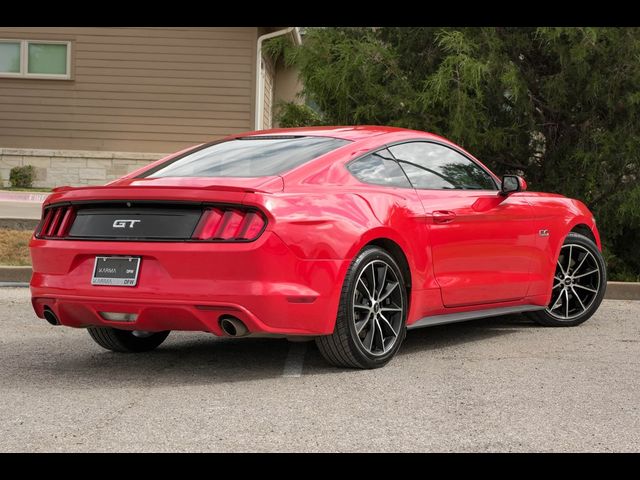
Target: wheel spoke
x=368, y=339
x=566, y=294
x=585, y=274
x=585, y=288
x=382, y=280
x=556, y=304
x=578, y=297
x=556, y=285
x=361, y=282
x=391, y=309
x=390, y=289
x=388, y=324
x=561, y=268
x=569, y=261
x=362, y=323
x=381, y=335
x=575, y=270
x=363, y=307
x=373, y=280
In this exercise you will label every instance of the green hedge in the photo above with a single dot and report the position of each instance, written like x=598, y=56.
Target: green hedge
x=22, y=177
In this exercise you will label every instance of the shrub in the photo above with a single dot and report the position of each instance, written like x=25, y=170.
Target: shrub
x=293, y=115
x=22, y=177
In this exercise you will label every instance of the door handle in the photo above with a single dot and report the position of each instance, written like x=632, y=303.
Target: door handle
x=443, y=216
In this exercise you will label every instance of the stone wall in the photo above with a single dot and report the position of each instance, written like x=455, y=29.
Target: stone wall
x=72, y=167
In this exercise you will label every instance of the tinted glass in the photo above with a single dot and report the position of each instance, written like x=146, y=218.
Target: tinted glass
x=377, y=168
x=434, y=167
x=248, y=157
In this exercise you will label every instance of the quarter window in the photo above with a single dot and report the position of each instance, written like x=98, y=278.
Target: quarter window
x=379, y=168
x=35, y=59
x=434, y=167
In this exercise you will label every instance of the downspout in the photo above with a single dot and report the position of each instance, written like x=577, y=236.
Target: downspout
x=259, y=107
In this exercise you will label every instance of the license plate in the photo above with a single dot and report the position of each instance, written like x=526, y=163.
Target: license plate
x=116, y=271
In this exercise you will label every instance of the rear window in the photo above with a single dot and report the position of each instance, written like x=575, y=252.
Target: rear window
x=247, y=157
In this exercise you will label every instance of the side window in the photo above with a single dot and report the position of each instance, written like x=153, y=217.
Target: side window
x=379, y=168
x=435, y=167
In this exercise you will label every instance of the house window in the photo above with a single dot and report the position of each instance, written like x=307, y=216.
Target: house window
x=35, y=59
x=10, y=58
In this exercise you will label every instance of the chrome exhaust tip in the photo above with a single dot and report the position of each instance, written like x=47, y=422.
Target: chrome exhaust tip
x=232, y=326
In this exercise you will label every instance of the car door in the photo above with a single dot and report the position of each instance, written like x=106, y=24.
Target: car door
x=481, y=242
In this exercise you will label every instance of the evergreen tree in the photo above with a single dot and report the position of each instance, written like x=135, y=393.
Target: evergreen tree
x=560, y=106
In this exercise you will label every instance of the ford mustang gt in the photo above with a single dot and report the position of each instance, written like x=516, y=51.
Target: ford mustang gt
x=347, y=235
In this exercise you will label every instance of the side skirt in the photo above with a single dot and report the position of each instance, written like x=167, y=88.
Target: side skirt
x=464, y=316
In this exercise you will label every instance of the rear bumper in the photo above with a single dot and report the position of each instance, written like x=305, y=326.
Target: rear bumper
x=189, y=286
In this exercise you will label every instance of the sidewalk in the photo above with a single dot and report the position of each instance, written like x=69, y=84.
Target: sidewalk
x=21, y=210
x=9, y=196
x=21, y=205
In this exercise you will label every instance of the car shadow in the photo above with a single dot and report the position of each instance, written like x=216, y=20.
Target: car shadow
x=438, y=339
x=441, y=337
x=188, y=359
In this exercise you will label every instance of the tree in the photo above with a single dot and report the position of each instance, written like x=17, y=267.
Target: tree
x=559, y=105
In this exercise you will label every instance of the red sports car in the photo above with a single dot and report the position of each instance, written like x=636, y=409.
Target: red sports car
x=347, y=235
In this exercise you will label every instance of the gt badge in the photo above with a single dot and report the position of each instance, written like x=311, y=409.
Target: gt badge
x=125, y=223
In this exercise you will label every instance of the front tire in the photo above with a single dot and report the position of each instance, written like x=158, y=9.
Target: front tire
x=371, y=322
x=125, y=341
x=579, y=284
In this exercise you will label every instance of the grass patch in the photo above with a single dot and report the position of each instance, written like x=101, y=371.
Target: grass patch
x=14, y=247
x=31, y=189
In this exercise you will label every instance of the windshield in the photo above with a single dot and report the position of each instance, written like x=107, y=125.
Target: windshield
x=247, y=157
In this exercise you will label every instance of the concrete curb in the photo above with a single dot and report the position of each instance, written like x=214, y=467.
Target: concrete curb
x=623, y=291
x=615, y=290
x=15, y=274
x=13, y=284
x=19, y=223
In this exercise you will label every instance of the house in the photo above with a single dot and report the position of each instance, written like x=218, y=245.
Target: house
x=87, y=105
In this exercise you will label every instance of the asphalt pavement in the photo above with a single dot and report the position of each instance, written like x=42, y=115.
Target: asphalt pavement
x=502, y=384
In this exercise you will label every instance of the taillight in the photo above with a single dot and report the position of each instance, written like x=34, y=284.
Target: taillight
x=56, y=222
x=229, y=224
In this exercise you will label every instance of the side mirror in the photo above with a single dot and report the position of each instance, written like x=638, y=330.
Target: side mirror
x=512, y=184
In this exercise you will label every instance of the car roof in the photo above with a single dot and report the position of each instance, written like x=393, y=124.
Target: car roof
x=353, y=133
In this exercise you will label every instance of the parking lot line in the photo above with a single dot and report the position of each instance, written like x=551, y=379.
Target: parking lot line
x=295, y=360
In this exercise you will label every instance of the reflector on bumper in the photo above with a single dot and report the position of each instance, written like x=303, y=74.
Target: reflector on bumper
x=119, y=317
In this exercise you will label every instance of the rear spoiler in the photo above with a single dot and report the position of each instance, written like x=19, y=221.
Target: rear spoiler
x=133, y=193
x=224, y=188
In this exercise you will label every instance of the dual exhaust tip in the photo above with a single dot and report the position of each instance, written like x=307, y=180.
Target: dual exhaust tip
x=230, y=325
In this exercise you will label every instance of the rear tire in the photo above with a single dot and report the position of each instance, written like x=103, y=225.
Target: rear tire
x=125, y=341
x=579, y=284
x=372, y=314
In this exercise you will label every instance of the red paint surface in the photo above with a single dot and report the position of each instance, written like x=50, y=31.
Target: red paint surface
x=466, y=250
